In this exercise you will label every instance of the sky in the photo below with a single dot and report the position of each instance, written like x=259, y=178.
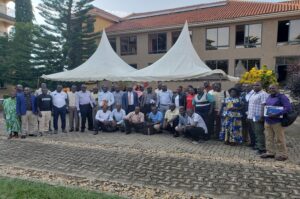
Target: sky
x=124, y=7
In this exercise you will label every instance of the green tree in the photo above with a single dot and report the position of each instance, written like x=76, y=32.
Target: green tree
x=71, y=29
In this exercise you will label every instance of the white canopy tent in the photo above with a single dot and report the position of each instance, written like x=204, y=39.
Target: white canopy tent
x=104, y=64
x=181, y=62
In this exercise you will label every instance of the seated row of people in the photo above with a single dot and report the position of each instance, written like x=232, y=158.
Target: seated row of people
x=187, y=123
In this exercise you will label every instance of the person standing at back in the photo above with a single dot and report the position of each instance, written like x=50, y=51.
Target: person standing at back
x=105, y=98
x=73, y=113
x=84, y=105
x=60, y=105
x=129, y=100
x=118, y=94
x=256, y=114
x=164, y=99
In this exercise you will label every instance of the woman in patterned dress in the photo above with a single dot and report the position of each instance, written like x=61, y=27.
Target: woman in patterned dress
x=13, y=127
x=232, y=124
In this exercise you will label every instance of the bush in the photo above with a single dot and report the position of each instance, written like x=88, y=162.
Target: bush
x=265, y=76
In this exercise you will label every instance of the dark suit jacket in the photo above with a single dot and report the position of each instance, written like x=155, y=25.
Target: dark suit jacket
x=21, y=104
x=125, y=100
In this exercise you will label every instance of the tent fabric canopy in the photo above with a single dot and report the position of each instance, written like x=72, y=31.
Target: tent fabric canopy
x=104, y=64
x=181, y=62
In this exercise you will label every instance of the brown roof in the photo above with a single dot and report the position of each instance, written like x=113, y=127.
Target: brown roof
x=106, y=15
x=224, y=10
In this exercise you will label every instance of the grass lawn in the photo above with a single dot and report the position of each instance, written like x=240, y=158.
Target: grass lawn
x=22, y=189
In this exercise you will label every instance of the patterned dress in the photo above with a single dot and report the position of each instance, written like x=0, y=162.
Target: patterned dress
x=11, y=118
x=232, y=123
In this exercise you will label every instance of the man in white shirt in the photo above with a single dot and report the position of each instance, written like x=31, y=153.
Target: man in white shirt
x=73, y=114
x=84, y=104
x=118, y=115
x=171, y=119
x=104, y=121
x=60, y=104
x=192, y=125
x=164, y=99
x=105, y=98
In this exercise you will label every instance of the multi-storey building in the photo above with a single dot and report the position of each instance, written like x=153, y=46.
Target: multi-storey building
x=224, y=33
x=6, y=18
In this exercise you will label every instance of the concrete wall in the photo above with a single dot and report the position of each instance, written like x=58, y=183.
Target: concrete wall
x=267, y=53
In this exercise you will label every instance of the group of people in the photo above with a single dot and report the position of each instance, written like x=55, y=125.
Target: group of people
x=235, y=116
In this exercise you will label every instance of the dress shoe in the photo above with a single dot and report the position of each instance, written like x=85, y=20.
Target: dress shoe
x=76, y=130
x=71, y=130
x=259, y=152
x=64, y=131
x=266, y=155
x=95, y=133
x=55, y=131
x=281, y=158
x=82, y=130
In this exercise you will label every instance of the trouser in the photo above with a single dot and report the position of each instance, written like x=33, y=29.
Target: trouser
x=259, y=135
x=163, y=108
x=95, y=110
x=59, y=112
x=44, y=121
x=275, y=140
x=195, y=133
x=130, y=108
x=73, y=118
x=109, y=127
x=86, y=113
x=208, y=119
x=153, y=128
x=250, y=129
x=245, y=130
x=171, y=126
x=218, y=123
x=138, y=127
x=29, y=123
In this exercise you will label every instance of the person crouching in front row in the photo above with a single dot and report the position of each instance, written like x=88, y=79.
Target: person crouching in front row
x=191, y=125
x=135, y=120
x=104, y=121
x=155, y=120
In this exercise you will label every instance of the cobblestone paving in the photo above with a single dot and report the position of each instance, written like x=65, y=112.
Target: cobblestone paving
x=161, y=161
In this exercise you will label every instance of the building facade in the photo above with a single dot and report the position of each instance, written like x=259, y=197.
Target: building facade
x=225, y=34
x=6, y=17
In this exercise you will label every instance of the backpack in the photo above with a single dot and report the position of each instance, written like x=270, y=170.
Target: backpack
x=290, y=117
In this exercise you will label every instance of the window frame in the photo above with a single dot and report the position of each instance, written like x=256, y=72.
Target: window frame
x=115, y=41
x=217, y=47
x=248, y=45
x=216, y=62
x=151, y=51
x=128, y=43
x=289, y=42
x=236, y=62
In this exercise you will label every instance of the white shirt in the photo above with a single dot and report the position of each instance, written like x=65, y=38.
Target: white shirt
x=108, y=96
x=72, y=99
x=177, y=101
x=101, y=116
x=196, y=120
x=59, y=99
x=118, y=116
x=130, y=94
x=256, y=105
x=248, y=95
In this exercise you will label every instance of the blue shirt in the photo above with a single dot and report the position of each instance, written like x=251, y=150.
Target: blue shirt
x=155, y=118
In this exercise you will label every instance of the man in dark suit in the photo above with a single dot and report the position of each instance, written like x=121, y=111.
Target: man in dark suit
x=129, y=100
x=27, y=110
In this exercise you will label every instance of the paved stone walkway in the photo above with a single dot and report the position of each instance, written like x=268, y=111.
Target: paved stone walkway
x=161, y=161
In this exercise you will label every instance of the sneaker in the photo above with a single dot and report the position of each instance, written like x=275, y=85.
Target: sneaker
x=195, y=142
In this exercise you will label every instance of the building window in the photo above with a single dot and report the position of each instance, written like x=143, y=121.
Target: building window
x=217, y=38
x=128, y=45
x=288, y=32
x=248, y=64
x=157, y=43
x=113, y=43
x=133, y=65
x=248, y=36
x=218, y=64
x=175, y=36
